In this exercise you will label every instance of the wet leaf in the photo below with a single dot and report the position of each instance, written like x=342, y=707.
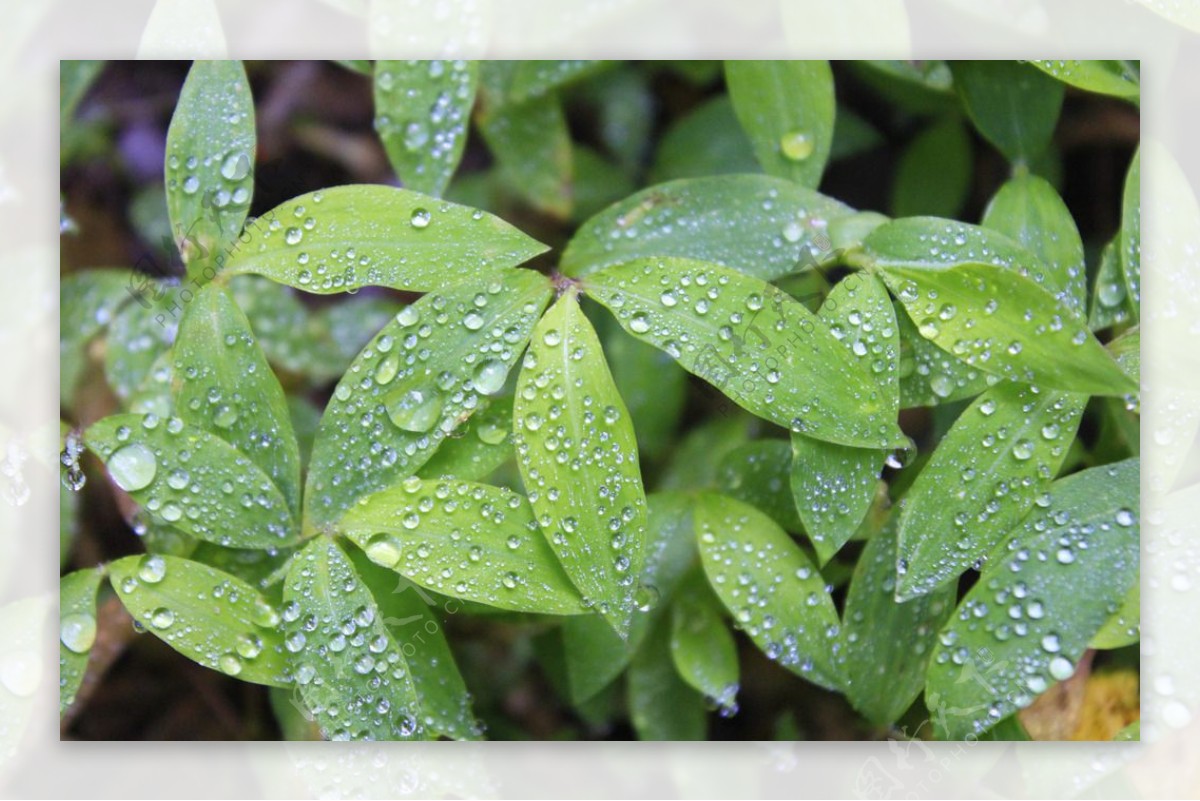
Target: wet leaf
x=930, y=376
x=192, y=480
x=832, y=484
x=887, y=643
x=787, y=109
x=87, y=303
x=934, y=173
x=708, y=140
x=138, y=336
x=1110, y=300
x=775, y=594
x=578, y=457
x=420, y=378
x=532, y=147
x=1124, y=627
x=224, y=386
x=699, y=453
x=661, y=705
x=1013, y=105
x=595, y=183
x=347, y=237
x=352, y=674
x=977, y=295
x=760, y=225
x=1130, y=238
x=754, y=343
x=210, y=162
x=985, y=475
x=1045, y=593
x=536, y=78
x=702, y=647
x=1116, y=78
x=757, y=473
x=480, y=446
x=209, y=616
x=464, y=540
x=422, y=113
x=77, y=631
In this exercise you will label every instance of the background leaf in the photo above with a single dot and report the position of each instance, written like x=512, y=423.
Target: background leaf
x=662, y=706
x=87, y=302
x=224, y=386
x=207, y=615
x=464, y=540
x=535, y=78
x=210, y=162
x=422, y=113
x=762, y=349
x=934, y=174
x=579, y=462
x=347, y=237
x=756, y=473
x=702, y=647
x=192, y=480
x=787, y=109
x=709, y=140
x=1130, y=238
x=1110, y=300
x=1117, y=78
x=77, y=631
x=1045, y=593
x=393, y=407
x=759, y=225
x=774, y=593
x=138, y=336
x=351, y=673
x=1014, y=105
x=532, y=147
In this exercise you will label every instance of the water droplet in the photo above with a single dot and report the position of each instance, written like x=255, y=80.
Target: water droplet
x=152, y=568
x=489, y=377
x=416, y=410
x=796, y=145
x=225, y=416
x=162, y=618
x=1051, y=643
x=133, y=467
x=408, y=316
x=293, y=236
x=78, y=632
x=1061, y=668
x=639, y=323
x=230, y=665
x=386, y=371
x=383, y=549
x=473, y=321
x=1125, y=518
x=191, y=185
x=236, y=166
x=420, y=218
x=1023, y=450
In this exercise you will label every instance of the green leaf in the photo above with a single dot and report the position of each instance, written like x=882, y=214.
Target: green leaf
x=464, y=540
x=1110, y=300
x=934, y=173
x=1045, y=593
x=887, y=643
x=139, y=334
x=757, y=473
x=578, y=457
x=930, y=376
x=774, y=592
x=762, y=349
x=833, y=485
x=224, y=386
x=536, y=78
x=347, y=237
x=990, y=309
x=757, y=224
x=1029, y=211
x=420, y=378
x=624, y=104
x=986, y=473
x=662, y=706
x=1130, y=734
x=595, y=654
x=787, y=109
x=698, y=454
x=595, y=183
x=1124, y=627
x=422, y=113
x=852, y=135
x=209, y=616
x=87, y=303
x=1130, y=238
x=708, y=140
x=478, y=447
x=417, y=624
x=1115, y=78
x=192, y=480
x=652, y=385
x=702, y=647
x=1013, y=105
x=77, y=631
x=352, y=674
x=532, y=146
x=75, y=77
x=210, y=161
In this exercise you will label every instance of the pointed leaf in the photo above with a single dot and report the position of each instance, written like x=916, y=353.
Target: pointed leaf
x=352, y=674
x=1130, y=238
x=833, y=485
x=1116, y=78
x=1029, y=211
x=579, y=462
x=210, y=161
x=762, y=349
x=421, y=377
x=702, y=647
x=422, y=112
x=347, y=237
x=224, y=386
x=464, y=540
x=986, y=473
x=708, y=140
x=77, y=631
x=192, y=480
x=1014, y=105
x=934, y=174
x=209, y=616
x=1045, y=593
x=1110, y=300
x=787, y=109
x=757, y=224
x=532, y=147
x=887, y=643
x=662, y=706
x=1124, y=627
x=773, y=591
x=757, y=473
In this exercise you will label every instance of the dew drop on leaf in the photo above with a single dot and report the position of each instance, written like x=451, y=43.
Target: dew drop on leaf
x=78, y=632
x=133, y=467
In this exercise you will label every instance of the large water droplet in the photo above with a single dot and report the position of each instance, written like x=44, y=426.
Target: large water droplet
x=416, y=410
x=236, y=166
x=796, y=145
x=490, y=376
x=78, y=632
x=133, y=467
